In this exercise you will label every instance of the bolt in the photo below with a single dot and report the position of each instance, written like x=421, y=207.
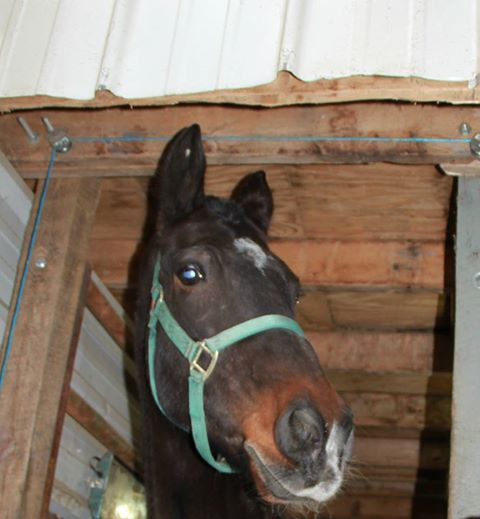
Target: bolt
x=475, y=145
x=476, y=280
x=57, y=138
x=62, y=144
x=32, y=136
x=464, y=129
x=41, y=263
x=48, y=125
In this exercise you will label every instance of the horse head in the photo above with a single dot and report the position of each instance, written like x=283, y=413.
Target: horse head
x=268, y=410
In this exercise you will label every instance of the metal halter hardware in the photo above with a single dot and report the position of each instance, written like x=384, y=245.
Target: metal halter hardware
x=193, y=351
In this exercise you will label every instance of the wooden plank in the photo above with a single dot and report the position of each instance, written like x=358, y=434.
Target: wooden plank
x=101, y=308
x=319, y=201
x=402, y=411
x=363, y=310
x=324, y=263
x=376, y=263
x=400, y=452
x=383, y=351
x=39, y=358
x=401, y=310
x=100, y=429
x=380, y=507
x=465, y=458
x=48, y=400
x=262, y=133
x=285, y=90
x=392, y=383
x=369, y=351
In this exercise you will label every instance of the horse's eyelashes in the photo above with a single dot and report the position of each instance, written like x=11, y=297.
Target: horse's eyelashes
x=190, y=275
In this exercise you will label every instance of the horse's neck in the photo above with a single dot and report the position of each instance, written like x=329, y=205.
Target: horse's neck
x=182, y=486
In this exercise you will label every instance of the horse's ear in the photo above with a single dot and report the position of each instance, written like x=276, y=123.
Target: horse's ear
x=254, y=195
x=180, y=176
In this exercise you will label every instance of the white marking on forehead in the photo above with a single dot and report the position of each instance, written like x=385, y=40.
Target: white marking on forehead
x=253, y=251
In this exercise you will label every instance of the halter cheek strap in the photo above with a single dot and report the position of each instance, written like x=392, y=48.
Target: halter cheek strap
x=206, y=350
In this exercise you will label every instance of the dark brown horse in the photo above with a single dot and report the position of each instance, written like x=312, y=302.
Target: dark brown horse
x=270, y=417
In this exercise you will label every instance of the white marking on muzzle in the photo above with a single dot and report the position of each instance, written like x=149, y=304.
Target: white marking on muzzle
x=253, y=251
x=325, y=490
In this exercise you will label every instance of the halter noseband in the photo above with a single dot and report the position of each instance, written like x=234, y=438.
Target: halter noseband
x=193, y=351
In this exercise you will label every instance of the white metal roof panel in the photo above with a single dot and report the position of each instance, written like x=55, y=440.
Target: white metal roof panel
x=146, y=48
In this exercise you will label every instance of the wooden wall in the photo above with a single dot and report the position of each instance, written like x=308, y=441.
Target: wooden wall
x=365, y=226
x=369, y=243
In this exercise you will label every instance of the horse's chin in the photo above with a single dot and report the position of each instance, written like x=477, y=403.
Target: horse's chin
x=281, y=484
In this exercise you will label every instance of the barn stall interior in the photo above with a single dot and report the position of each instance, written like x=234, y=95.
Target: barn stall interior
x=367, y=211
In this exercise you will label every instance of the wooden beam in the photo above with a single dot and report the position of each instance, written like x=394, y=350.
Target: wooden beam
x=374, y=351
x=101, y=430
x=465, y=457
x=374, y=309
x=316, y=201
x=401, y=410
x=285, y=90
x=436, y=384
x=367, y=264
x=321, y=263
x=373, y=507
x=267, y=136
x=400, y=452
x=370, y=351
x=36, y=375
x=103, y=306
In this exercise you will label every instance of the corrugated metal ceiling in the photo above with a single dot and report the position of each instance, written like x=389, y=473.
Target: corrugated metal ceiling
x=149, y=48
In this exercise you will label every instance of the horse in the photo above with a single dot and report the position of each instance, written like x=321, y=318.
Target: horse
x=239, y=418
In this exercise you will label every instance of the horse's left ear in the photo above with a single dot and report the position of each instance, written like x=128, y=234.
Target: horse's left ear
x=254, y=195
x=180, y=177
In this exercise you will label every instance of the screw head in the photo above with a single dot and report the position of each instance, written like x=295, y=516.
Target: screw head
x=476, y=280
x=475, y=145
x=464, y=129
x=40, y=263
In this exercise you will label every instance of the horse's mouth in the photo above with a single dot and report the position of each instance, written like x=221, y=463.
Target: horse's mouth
x=284, y=484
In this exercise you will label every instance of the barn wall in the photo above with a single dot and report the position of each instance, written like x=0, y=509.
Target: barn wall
x=372, y=246
x=99, y=379
x=102, y=371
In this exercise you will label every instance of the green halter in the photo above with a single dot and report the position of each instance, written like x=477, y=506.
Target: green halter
x=193, y=350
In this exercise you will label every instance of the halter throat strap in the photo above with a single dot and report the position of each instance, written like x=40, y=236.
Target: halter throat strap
x=202, y=357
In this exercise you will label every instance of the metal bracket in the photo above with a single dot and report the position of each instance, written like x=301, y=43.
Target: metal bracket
x=57, y=137
x=470, y=169
x=98, y=486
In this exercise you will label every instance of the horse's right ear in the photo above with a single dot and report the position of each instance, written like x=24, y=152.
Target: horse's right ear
x=180, y=176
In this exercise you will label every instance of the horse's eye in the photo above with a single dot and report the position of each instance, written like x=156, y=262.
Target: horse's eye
x=190, y=275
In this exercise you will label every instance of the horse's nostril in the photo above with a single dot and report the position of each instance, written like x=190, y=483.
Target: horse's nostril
x=300, y=432
x=305, y=426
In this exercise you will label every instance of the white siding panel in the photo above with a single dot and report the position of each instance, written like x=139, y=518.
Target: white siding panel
x=73, y=474
x=139, y=46
x=99, y=377
x=15, y=205
x=251, y=43
x=7, y=277
x=145, y=48
x=25, y=44
x=3, y=318
x=75, y=51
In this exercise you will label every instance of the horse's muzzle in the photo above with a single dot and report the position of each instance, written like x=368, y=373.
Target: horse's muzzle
x=314, y=455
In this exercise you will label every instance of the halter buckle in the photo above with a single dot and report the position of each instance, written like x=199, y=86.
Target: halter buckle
x=195, y=363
